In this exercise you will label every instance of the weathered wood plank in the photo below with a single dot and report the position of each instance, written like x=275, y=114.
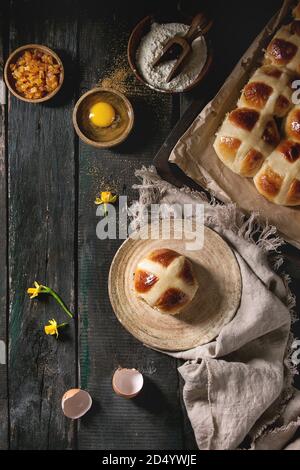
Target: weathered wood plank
x=3, y=238
x=41, y=233
x=153, y=420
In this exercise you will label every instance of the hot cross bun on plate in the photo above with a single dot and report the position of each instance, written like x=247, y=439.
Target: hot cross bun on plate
x=166, y=281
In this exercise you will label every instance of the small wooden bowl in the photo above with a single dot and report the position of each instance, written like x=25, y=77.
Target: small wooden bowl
x=140, y=30
x=103, y=137
x=10, y=81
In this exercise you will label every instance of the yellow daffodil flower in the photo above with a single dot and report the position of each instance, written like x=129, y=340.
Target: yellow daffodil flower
x=52, y=328
x=106, y=197
x=35, y=291
x=40, y=289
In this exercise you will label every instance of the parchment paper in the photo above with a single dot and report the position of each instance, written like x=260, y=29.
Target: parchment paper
x=195, y=155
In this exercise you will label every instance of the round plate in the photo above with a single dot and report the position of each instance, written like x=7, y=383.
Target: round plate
x=213, y=306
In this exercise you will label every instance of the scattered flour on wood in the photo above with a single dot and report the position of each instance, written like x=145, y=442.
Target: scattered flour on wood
x=151, y=47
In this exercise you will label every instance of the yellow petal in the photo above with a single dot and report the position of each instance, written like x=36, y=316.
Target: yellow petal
x=50, y=330
x=105, y=195
x=113, y=199
x=33, y=292
x=98, y=201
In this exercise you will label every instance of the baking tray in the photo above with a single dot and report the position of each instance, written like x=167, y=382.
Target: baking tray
x=204, y=123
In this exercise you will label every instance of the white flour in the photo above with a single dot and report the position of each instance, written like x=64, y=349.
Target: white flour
x=151, y=47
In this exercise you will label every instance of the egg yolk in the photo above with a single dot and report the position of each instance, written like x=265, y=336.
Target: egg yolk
x=102, y=114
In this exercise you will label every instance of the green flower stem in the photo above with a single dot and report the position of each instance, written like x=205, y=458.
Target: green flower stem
x=48, y=290
x=62, y=324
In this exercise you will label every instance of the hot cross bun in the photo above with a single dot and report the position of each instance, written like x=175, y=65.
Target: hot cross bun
x=279, y=178
x=269, y=90
x=249, y=142
x=245, y=139
x=284, y=49
x=166, y=281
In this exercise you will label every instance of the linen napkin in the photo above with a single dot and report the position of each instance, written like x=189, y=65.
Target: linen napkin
x=239, y=385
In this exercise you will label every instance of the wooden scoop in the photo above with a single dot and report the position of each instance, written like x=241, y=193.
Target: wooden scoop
x=179, y=47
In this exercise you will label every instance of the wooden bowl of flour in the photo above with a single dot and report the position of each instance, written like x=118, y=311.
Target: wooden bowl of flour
x=143, y=28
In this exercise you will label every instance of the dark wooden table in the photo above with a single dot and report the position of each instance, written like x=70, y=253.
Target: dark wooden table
x=48, y=183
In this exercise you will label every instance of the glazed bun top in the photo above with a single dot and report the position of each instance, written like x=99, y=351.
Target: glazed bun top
x=165, y=280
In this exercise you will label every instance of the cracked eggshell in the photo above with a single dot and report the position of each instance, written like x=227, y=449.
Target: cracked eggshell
x=75, y=403
x=127, y=383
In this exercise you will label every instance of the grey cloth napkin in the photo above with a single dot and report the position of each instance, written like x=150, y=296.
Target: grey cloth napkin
x=240, y=384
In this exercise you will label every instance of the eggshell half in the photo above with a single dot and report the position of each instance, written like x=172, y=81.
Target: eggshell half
x=76, y=403
x=127, y=383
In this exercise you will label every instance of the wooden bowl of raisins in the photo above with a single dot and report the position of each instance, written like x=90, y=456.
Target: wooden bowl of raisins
x=34, y=73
